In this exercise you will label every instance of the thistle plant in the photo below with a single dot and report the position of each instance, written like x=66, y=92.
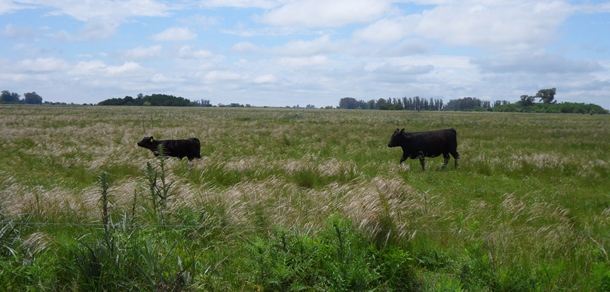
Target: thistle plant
x=105, y=185
x=159, y=186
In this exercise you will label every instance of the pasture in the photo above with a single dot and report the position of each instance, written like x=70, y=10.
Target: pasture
x=294, y=199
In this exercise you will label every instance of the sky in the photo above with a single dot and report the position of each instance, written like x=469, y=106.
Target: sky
x=301, y=52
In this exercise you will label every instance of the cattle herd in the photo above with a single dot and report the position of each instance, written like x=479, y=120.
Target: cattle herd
x=414, y=145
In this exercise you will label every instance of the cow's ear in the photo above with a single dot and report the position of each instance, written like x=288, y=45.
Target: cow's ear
x=151, y=139
x=403, y=130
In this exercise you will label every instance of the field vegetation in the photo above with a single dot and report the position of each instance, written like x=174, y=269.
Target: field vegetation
x=307, y=200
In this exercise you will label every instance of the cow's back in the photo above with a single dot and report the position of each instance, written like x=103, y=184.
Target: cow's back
x=434, y=143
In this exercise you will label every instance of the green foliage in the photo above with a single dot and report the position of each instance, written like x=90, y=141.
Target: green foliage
x=405, y=103
x=338, y=259
x=289, y=199
x=526, y=103
x=32, y=98
x=547, y=96
x=564, y=107
x=151, y=100
x=159, y=187
x=9, y=97
x=13, y=98
x=467, y=104
x=601, y=276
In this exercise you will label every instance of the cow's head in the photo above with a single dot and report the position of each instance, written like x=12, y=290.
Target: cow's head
x=396, y=138
x=146, y=142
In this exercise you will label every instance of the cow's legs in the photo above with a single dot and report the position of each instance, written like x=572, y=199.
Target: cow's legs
x=403, y=158
x=456, y=157
x=422, y=161
x=446, y=157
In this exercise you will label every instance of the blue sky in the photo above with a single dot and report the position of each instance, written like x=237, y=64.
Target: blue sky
x=284, y=53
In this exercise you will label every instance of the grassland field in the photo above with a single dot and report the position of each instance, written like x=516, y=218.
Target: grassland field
x=528, y=208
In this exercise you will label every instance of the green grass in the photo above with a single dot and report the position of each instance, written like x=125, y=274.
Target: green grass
x=287, y=199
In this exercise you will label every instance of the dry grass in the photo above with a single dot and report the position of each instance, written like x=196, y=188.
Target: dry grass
x=526, y=199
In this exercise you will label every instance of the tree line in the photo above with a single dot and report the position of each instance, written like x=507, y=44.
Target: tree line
x=542, y=102
x=406, y=103
x=154, y=100
x=15, y=98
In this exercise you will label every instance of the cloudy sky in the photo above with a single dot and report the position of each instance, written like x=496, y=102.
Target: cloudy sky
x=289, y=52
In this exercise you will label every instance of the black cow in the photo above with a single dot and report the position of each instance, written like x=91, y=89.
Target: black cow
x=426, y=144
x=175, y=148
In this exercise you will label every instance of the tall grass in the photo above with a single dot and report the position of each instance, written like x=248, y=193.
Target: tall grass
x=287, y=199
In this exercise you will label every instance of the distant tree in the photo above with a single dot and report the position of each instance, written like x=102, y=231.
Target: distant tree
x=9, y=97
x=381, y=103
x=371, y=104
x=32, y=98
x=526, y=100
x=348, y=103
x=5, y=97
x=498, y=103
x=547, y=95
x=153, y=100
x=417, y=105
x=466, y=104
x=128, y=100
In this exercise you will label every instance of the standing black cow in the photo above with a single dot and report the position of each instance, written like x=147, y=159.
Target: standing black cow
x=426, y=144
x=174, y=148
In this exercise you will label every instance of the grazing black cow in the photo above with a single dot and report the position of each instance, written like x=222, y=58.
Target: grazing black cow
x=426, y=144
x=175, y=148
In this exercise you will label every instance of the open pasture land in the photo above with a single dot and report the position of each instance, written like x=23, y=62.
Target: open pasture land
x=293, y=199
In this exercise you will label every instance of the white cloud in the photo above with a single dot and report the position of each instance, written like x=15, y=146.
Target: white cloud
x=288, y=52
x=18, y=32
x=191, y=52
x=102, y=17
x=324, y=13
x=100, y=69
x=386, y=30
x=404, y=69
x=515, y=26
x=61, y=36
x=321, y=45
x=161, y=78
x=302, y=61
x=175, y=34
x=142, y=52
x=409, y=47
x=265, y=4
x=438, y=61
x=14, y=77
x=245, y=48
x=589, y=7
x=539, y=62
x=269, y=78
x=267, y=31
x=94, y=29
x=110, y=10
x=7, y=6
x=201, y=20
x=220, y=76
x=43, y=65
x=126, y=67
x=98, y=29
